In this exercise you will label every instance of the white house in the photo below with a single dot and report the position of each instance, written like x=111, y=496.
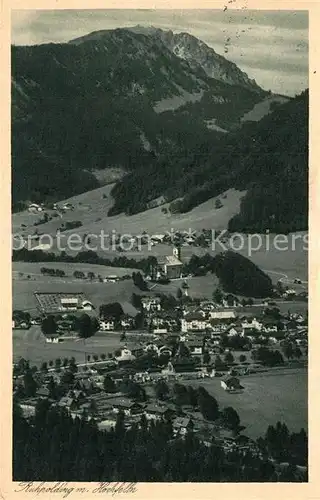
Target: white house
x=106, y=324
x=125, y=355
x=231, y=384
x=127, y=322
x=69, y=303
x=159, y=331
x=195, y=322
x=195, y=347
x=52, y=339
x=151, y=303
x=253, y=324
x=234, y=330
x=87, y=305
x=67, y=206
x=222, y=314
x=111, y=279
x=34, y=207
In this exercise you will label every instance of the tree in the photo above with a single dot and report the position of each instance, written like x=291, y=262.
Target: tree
x=109, y=385
x=229, y=359
x=113, y=310
x=139, y=321
x=87, y=326
x=218, y=364
x=297, y=352
x=218, y=204
x=242, y=358
x=161, y=390
x=79, y=275
x=49, y=325
x=183, y=350
x=67, y=377
x=139, y=281
x=168, y=302
x=217, y=296
x=30, y=386
x=230, y=418
x=95, y=357
x=120, y=427
x=193, y=396
x=136, y=301
x=57, y=363
x=73, y=367
x=208, y=405
x=91, y=275
x=206, y=358
x=52, y=386
x=179, y=294
x=181, y=394
x=44, y=367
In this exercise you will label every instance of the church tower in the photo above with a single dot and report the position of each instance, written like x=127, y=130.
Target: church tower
x=177, y=252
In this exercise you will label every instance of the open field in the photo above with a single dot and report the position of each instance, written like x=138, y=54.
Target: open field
x=31, y=345
x=33, y=269
x=101, y=293
x=97, y=293
x=268, y=397
x=91, y=209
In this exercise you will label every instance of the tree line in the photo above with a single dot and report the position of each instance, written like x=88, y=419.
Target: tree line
x=237, y=274
x=53, y=446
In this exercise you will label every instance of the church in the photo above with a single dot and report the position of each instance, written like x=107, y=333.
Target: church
x=170, y=266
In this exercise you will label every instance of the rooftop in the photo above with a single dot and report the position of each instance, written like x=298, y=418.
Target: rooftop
x=170, y=260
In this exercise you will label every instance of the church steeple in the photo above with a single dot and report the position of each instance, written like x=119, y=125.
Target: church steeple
x=177, y=252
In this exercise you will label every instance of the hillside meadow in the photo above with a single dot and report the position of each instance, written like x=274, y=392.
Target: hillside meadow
x=91, y=208
x=277, y=395
x=97, y=293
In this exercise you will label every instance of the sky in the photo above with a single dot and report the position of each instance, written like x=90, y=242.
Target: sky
x=270, y=46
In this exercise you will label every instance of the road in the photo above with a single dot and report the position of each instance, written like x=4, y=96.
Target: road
x=284, y=278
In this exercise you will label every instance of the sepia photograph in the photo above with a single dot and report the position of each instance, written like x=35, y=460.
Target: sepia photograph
x=159, y=206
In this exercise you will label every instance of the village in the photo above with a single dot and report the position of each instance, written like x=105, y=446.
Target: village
x=161, y=358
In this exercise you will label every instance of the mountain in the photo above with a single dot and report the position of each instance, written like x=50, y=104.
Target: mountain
x=118, y=98
x=189, y=48
x=269, y=159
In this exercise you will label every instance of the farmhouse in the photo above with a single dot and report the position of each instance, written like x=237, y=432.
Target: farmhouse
x=127, y=322
x=231, y=384
x=195, y=347
x=124, y=354
x=151, y=303
x=43, y=392
x=34, y=207
x=221, y=313
x=87, y=305
x=68, y=402
x=156, y=412
x=107, y=324
x=181, y=425
x=126, y=405
x=194, y=321
x=52, y=338
x=111, y=279
x=249, y=325
x=170, y=266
